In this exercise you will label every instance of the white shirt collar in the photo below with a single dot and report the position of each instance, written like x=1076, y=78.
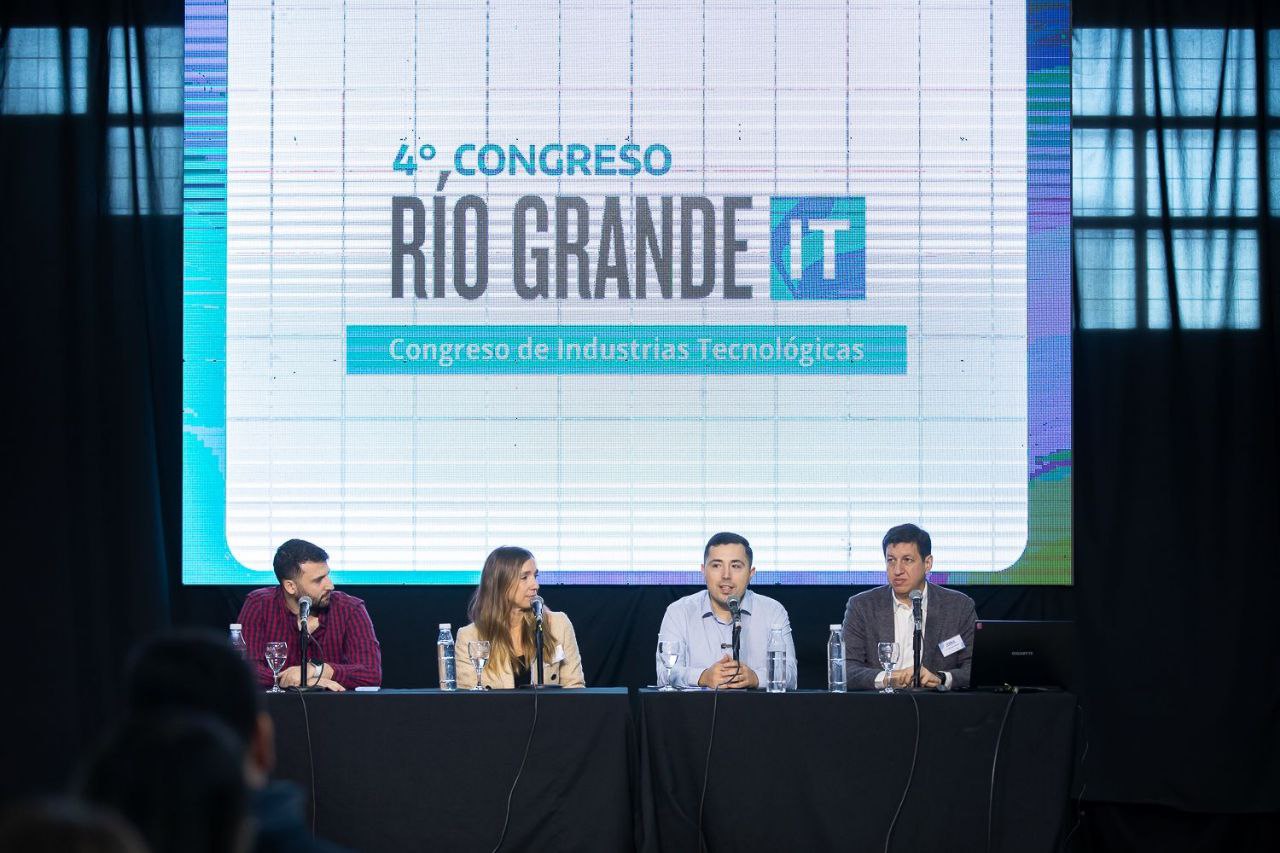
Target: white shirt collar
x=924, y=598
x=745, y=605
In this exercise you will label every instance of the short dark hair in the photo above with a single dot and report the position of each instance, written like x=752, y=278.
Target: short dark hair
x=194, y=670
x=291, y=555
x=178, y=778
x=726, y=538
x=908, y=534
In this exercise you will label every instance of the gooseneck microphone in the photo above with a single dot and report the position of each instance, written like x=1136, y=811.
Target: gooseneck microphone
x=917, y=616
x=538, y=605
x=735, y=612
x=304, y=613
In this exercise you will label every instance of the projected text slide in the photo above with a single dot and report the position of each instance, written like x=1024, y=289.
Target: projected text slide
x=603, y=279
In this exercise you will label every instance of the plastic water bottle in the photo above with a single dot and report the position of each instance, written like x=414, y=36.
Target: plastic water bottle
x=445, y=659
x=777, y=675
x=835, y=661
x=237, y=640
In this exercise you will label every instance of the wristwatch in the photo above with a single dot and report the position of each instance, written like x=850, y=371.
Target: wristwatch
x=942, y=681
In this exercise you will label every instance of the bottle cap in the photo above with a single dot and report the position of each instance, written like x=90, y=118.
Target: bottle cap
x=835, y=628
x=446, y=626
x=235, y=626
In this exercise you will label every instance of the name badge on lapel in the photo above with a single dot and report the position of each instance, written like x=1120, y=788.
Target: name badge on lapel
x=950, y=647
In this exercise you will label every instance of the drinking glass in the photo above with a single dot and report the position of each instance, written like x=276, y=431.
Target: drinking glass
x=888, y=653
x=478, y=650
x=276, y=654
x=669, y=652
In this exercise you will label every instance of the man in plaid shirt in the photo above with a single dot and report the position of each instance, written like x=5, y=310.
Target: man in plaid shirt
x=344, y=652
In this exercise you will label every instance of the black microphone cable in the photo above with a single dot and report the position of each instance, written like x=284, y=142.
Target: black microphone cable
x=734, y=604
x=311, y=758
x=529, y=743
x=706, y=768
x=995, y=758
x=915, y=753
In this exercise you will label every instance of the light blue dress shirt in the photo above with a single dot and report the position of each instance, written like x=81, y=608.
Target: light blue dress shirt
x=707, y=639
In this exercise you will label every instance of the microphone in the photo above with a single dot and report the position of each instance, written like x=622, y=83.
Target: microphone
x=538, y=604
x=304, y=611
x=735, y=611
x=917, y=615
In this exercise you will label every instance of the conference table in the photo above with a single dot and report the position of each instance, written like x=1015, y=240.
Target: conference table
x=819, y=771
x=805, y=770
x=408, y=770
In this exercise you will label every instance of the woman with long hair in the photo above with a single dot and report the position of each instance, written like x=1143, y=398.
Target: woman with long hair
x=501, y=612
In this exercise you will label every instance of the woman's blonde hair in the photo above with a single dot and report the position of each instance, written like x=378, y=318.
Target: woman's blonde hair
x=490, y=608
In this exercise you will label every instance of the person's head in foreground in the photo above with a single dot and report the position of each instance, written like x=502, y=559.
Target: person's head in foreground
x=179, y=779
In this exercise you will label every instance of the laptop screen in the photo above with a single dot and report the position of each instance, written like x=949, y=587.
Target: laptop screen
x=1023, y=653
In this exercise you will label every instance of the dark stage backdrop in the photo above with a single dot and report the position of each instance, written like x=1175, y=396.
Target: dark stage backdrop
x=1175, y=455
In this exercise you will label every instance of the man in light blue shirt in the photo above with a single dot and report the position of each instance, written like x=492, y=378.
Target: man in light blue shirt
x=702, y=621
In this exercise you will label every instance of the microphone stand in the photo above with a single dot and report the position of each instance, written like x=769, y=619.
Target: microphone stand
x=304, y=644
x=915, y=643
x=537, y=677
x=537, y=644
x=304, y=665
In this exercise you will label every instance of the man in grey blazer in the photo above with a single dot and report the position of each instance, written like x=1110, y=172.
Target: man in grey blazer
x=883, y=614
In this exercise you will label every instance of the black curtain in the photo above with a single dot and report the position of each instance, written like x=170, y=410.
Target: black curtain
x=93, y=383
x=1175, y=443
x=1175, y=496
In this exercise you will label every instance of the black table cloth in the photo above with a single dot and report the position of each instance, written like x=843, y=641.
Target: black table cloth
x=425, y=770
x=819, y=771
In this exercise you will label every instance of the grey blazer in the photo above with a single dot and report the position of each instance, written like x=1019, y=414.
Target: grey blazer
x=868, y=620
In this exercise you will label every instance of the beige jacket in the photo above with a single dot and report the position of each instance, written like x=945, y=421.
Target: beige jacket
x=564, y=667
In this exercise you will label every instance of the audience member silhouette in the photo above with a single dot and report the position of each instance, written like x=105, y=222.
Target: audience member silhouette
x=178, y=777
x=197, y=670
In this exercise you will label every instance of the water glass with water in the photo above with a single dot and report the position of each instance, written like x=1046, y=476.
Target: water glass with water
x=276, y=654
x=888, y=654
x=478, y=651
x=669, y=653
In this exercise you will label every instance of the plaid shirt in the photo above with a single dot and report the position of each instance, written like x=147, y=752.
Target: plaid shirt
x=345, y=636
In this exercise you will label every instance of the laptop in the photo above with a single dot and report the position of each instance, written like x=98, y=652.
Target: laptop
x=1023, y=653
